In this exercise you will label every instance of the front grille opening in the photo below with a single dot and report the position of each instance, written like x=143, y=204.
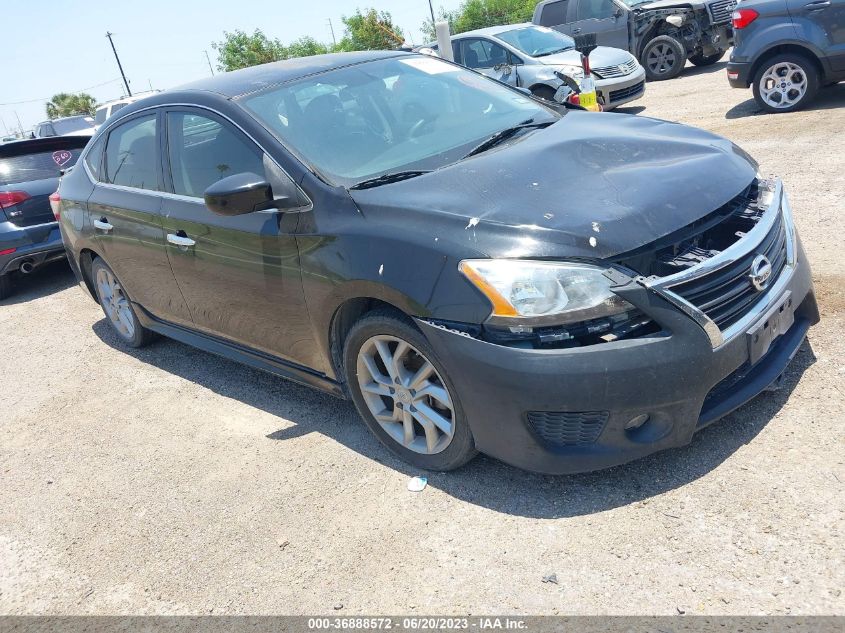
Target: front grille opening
x=568, y=428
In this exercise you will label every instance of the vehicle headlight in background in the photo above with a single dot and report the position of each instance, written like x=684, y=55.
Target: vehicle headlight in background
x=524, y=291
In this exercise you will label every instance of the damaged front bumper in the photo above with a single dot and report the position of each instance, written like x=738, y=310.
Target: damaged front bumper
x=586, y=408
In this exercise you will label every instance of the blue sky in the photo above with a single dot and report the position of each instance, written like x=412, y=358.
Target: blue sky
x=51, y=46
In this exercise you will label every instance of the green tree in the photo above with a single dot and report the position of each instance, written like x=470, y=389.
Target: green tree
x=370, y=31
x=305, y=46
x=240, y=50
x=478, y=14
x=66, y=104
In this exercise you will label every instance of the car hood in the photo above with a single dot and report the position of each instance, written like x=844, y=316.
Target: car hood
x=601, y=56
x=669, y=4
x=592, y=185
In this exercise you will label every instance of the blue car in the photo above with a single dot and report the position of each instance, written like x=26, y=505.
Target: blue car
x=29, y=174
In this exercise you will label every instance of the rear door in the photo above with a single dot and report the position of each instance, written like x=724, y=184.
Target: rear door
x=604, y=18
x=240, y=275
x=823, y=23
x=125, y=210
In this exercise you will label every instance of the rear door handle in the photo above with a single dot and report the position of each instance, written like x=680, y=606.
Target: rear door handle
x=818, y=4
x=103, y=225
x=576, y=30
x=180, y=240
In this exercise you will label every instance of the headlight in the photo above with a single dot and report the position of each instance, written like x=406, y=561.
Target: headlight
x=576, y=72
x=541, y=292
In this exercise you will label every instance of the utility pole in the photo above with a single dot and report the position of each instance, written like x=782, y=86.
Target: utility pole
x=122, y=74
x=331, y=28
x=431, y=8
x=208, y=59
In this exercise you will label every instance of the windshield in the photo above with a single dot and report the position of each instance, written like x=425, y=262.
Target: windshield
x=390, y=115
x=74, y=124
x=537, y=41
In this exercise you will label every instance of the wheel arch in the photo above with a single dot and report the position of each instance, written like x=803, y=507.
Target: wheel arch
x=86, y=259
x=781, y=49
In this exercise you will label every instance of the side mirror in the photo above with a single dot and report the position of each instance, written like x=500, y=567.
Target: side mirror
x=243, y=193
x=503, y=68
x=618, y=13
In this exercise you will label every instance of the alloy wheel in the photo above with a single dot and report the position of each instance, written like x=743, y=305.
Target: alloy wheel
x=783, y=85
x=661, y=59
x=115, y=303
x=406, y=395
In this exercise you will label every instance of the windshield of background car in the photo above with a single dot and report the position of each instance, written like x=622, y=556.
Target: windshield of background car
x=38, y=166
x=76, y=124
x=385, y=116
x=537, y=41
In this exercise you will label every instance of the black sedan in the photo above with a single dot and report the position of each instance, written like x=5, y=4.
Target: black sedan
x=564, y=291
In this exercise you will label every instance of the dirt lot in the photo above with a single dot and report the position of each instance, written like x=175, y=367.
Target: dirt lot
x=168, y=480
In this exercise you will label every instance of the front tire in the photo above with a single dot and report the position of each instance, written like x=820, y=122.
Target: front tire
x=117, y=307
x=706, y=60
x=785, y=83
x=404, y=393
x=663, y=58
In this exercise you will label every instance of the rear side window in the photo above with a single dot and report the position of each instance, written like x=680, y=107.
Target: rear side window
x=131, y=156
x=94, y=158
x=554, y=13
x=38, y=166
x=203, y=150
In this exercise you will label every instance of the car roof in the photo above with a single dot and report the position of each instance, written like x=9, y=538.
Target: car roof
x=255, y=78
x=493, y=30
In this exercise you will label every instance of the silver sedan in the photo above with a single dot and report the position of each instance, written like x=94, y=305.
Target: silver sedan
x=527, y=56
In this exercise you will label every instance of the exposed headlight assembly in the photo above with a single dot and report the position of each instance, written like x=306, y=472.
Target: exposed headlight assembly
x=543, y=293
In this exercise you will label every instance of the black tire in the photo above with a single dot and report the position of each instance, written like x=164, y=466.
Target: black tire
x=663, y=57
x=803, y=65
x=5, y=286
x=544, y=92
x=706, y=60
x=461, y=447
x=137, y=335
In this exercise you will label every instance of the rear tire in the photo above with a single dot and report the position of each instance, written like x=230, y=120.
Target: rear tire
x=663, y=58
x=5, y=286
x=708, y=60
x=785, y=83
x=421, y=420
x=117, y=307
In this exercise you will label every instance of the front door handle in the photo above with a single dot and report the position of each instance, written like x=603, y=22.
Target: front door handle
x=103, y=225
x=818, y=4
x=180, y=239
x=576, y=30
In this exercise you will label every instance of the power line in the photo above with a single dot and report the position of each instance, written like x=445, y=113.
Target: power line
x=110, y=81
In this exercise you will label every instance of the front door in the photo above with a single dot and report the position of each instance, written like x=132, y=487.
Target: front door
x=240, y=275
x=125, y=212
x=489, y=59
x=605, y=19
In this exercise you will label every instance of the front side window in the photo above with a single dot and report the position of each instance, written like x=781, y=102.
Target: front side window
x=131, y=156
x=203, y=150
x=595, y=9
x=94, y=158
x=537, y=41
x=411, y=112
x=482, y=54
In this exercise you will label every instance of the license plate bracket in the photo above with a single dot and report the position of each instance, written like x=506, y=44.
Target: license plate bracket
x=776, y=321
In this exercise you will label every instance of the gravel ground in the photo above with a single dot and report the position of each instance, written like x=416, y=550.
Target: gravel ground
x=168, y=480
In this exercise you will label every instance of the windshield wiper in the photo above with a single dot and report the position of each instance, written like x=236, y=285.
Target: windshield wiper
x=505, y=134
x=385, y=179
x=557, y=50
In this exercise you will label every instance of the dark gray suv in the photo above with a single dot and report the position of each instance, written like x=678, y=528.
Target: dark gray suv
x=786, y=49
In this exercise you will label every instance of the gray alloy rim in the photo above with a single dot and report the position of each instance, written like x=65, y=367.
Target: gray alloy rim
x=406, y=395
x=115, y=303
x=783, y=85
x=661, y=59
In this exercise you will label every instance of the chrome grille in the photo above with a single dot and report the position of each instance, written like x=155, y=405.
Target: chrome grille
x=726, y=294
x=720, y=11
x=620, y=70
